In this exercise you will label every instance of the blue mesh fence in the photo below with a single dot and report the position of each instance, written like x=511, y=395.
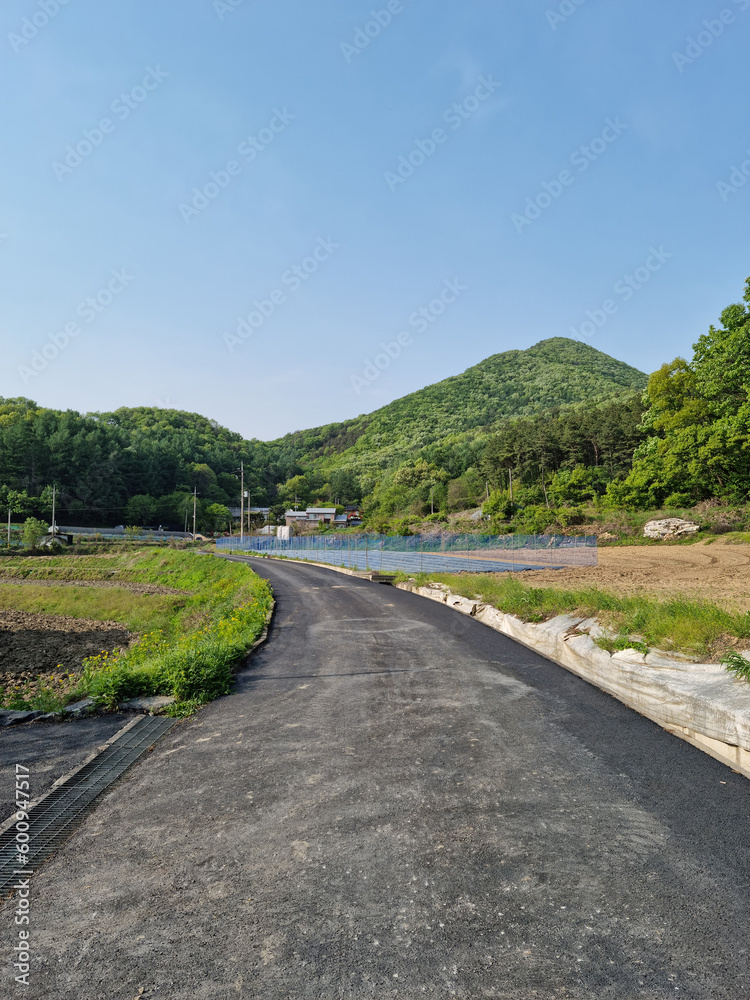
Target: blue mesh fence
x=447, y=553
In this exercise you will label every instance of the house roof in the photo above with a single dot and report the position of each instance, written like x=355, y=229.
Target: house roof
x=321, y=510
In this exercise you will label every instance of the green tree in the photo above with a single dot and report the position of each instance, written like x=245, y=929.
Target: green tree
x=571, y=486
x=345, y=487
x=499, y=505
x=14, y=501
x=34, y=531
x=140, y=509
x=216, y=517
x=295, y=489
x=698, y=421
x=203, y=478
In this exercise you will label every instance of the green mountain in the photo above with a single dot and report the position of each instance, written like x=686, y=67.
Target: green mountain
x=140, y=465
x=464, y=408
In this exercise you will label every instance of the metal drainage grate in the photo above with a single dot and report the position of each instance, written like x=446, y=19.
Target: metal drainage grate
x=53, y=819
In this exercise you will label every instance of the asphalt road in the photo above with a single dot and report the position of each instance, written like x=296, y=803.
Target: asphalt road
x=400, y=802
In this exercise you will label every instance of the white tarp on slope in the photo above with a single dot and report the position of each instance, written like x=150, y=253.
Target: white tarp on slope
x=700, y=702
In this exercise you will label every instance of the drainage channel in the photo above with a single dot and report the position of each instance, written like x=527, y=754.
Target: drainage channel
x=53, y=819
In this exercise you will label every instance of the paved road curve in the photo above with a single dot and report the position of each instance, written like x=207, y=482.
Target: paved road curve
x=399, y=802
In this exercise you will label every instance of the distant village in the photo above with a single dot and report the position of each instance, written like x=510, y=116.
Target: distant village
x=299, y=521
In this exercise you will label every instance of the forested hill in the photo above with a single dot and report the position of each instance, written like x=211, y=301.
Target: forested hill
x=140, y=465
x=552, y=373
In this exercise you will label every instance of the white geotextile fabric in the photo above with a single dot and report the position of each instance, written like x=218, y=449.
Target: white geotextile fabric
x=702, y=697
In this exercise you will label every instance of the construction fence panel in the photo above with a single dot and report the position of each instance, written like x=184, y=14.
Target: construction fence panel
x=446, y=553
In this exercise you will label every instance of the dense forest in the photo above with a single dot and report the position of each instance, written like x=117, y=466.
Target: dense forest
x=697, y=423
x=446, y=418
x=529, y=435
x=134, y=466
x=140, y=466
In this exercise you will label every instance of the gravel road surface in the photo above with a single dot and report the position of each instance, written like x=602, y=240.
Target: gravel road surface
x=399, y=802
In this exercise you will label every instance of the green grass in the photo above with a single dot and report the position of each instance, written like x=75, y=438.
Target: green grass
x=737, y=664
x=696, y=628
x=137, y=612
x=620, y=642
x=191, y=644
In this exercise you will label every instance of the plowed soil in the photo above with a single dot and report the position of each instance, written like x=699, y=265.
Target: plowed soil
x=36, y=648
x=717, y=572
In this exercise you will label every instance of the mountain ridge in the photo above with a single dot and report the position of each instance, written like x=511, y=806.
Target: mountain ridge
x=554, y=372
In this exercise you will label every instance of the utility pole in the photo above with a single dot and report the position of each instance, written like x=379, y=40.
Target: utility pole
x=544, y=487
x=54, y=488
x=510, y=477
x=195, y=505
x=8, y=529
x=242, y=501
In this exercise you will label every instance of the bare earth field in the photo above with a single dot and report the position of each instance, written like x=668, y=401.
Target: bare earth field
x=718, y=572
x=37, y=650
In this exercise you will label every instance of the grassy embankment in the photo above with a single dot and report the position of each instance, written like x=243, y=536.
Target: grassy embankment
x=695, y=628
x=187, y=642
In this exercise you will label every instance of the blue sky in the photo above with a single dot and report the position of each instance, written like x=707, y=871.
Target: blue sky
x=221, y=179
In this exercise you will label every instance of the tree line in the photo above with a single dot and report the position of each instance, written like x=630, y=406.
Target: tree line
x=687, y=438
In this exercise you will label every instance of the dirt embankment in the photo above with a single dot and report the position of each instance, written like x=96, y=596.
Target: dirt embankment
x=717, y=572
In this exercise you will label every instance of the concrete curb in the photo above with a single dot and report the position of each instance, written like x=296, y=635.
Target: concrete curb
x=699, y=702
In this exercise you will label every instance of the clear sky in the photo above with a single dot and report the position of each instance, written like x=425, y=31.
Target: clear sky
x=227, y=206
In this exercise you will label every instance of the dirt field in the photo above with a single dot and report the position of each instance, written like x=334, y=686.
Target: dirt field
x=717, y=572
x=36, y=648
